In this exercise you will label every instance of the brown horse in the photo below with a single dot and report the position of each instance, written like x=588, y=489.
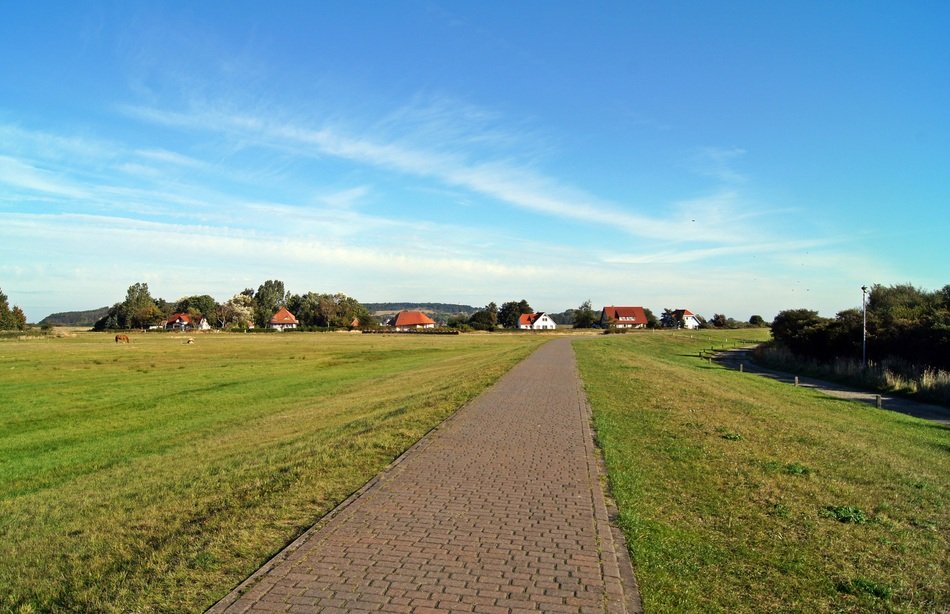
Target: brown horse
x=122, y=339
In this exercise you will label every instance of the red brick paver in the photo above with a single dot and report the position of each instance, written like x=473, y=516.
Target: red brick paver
x=498, y=510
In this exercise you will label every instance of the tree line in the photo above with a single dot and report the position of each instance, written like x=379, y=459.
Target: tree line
x=248, y=308
x=492, y=316
x=903, y=322
x=11, y=318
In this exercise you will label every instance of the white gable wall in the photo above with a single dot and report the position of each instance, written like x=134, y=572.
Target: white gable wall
x=690, y=322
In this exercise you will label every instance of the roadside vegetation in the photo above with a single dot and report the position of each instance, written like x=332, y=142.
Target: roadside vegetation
x=908, y=343
x=155, y=476
x=741, y=494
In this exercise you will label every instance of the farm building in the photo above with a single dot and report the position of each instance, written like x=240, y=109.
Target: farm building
x=536, y=321
x=283, y=319
x=623, y=317
x=412, y=320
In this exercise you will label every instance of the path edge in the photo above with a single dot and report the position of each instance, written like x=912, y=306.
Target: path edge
x=222, y=605
x=617, y=566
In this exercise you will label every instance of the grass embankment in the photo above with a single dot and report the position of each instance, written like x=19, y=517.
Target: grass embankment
x=156, y=476
x=741, y=494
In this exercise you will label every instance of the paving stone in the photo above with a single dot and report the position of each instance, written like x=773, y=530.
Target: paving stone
x=500, y=509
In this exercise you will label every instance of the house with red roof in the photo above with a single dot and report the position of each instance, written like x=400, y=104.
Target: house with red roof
x=185, y=321
x=536, y=321
x=623, y=317
x=283, y=320
x=685, y=318
x=412, y=320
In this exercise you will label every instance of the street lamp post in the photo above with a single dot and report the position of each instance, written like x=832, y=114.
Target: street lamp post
x=864, y=327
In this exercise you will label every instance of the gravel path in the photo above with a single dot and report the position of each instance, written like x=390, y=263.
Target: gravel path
x=500, y=509
x=936, y=413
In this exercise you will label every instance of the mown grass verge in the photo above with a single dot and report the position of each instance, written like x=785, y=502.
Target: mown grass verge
x=741, y=494
x=155, y=476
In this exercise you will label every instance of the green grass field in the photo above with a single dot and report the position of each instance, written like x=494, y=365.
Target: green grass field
x=156, y=476
x=740, y=494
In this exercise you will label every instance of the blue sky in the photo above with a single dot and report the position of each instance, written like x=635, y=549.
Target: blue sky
x=736, y=158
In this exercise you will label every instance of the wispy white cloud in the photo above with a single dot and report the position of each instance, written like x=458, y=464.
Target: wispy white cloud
x=344, y=199
x=170, y=157
x=504, y=180
x=24, y=143
x=771, y=249
x=21, y=175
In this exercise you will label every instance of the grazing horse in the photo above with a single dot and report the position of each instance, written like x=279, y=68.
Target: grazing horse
x=122, y=339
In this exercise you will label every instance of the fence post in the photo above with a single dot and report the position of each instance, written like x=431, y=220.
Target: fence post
x=741, y=367
x=877, y=400
x=796, y=380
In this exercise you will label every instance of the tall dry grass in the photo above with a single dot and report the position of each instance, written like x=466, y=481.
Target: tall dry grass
x=889, y=375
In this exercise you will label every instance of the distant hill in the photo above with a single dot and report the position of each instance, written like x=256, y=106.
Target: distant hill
x=449, y=308
x=75, y=318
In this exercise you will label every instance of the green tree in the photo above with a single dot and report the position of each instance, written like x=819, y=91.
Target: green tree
x=138, y=310
x=138, y=305
x=486, y=319
x=668, y=319
x=270, y=297
x=349, y=309
x=336, y=310
x=510, y=312
x=6, y=322
x=145, y=316
x=584, y=316
x=797, y=328
x=757, y=321
x=203, y=306
x=10, y=319
x=719, y=320
x=17, y=318
x=238, y=311
x=652, y=322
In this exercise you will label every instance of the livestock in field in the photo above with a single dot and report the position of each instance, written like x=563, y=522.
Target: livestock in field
x=122, y=339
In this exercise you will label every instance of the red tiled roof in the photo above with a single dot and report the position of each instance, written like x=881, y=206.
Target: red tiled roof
x=283, y=317
x=179, y=317
x=616, y=313
x=682, y=313
x=527, y=319
x=412, y=318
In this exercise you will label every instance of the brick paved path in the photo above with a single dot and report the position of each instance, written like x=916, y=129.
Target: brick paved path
x=498, y=510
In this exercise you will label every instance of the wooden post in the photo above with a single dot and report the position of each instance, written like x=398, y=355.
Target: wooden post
x=796, y=380
x=877, y=400
x=741, y=367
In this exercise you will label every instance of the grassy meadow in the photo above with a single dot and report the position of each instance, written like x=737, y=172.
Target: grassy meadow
x=741, y=494
x=155, y=476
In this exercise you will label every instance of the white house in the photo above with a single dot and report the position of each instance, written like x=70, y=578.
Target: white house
x=684, y=318
x=536, y=321
x=184, y=321
x=283, y=319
